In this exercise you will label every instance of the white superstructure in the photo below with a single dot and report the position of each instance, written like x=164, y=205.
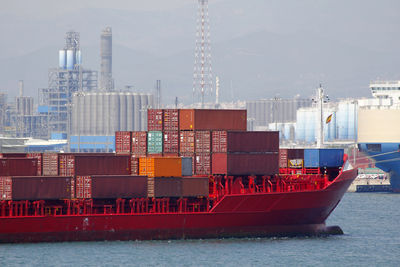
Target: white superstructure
x=386, y=90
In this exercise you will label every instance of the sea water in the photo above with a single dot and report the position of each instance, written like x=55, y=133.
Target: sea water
x=370, y=221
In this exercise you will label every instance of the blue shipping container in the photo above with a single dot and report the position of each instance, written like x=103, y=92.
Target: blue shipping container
x=314, y=158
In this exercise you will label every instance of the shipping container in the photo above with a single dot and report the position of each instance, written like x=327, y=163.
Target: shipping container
x=107, y=186
x=170, y=155
x=18, y=167
x=202, y=141
x=219, y=142
x=171, y=142
x=139, y=143
x=5, y=188
x=245, y=164
x=171, y=119
x=291, y=158
x=202, y=164
x=314, y=158
x=192, y=157
x=187, y=143
x=164, y=187
x=154, y=119
x=13, y=155
x=134, y=165
x=94, y=164
x=83, y=188
x=212, y=119
x=37, y=156
x=50, y=164
x=66, y=165
x=160, y=167
x=123, y=142
x=187, y=166
x=195, y=187
x=154, y=142
x=42, y=188
x=233, y=141
x=103, y=165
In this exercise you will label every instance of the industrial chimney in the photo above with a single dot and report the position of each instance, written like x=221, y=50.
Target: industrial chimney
x=106, y=81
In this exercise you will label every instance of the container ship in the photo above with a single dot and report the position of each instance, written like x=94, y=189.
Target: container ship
x=193, y=174
x=379, y=130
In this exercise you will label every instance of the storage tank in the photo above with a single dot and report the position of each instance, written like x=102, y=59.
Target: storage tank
x=62, y=59
x=300, y=125
x=78, y=57
x=342, y=120
x=94, y=115
x=123, y=112
x=310, y=122
x=143, y=109
x=129, y=112
x=70, y=59
x=137, y=104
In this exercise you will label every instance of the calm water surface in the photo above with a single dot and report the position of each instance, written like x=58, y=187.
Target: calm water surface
x=371, y=222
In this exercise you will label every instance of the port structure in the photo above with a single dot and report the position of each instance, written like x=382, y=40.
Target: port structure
x=69, y=77
x=202, y=72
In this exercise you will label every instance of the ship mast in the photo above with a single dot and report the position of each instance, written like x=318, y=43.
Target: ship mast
x=320, y=102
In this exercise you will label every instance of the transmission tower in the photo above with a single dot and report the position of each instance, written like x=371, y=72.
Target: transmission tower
x=202, y=73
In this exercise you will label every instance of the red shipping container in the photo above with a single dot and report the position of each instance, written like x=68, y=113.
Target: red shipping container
x=171, y=120
x=134, y=165
x=50, y=164
x=212, y=119
x=286, y=155
x=186, y=142
x=123, y=142
x=253, y=141
x=245, y=164
x=18, y=167
x=202, y=164
x=109, y=186
x=219, y=141
x=202, y=142
x=41, y=187
x=37, y=156
x=83, y=188
x=13, y=155
x=5, y=188
x=154, y=120
x=66, y=164
x=164, y=187
x=102, y=165
x=171, y=141
x=139, y=143
x=195, y=186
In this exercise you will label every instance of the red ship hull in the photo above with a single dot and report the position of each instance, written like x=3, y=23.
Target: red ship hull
x=241, y=215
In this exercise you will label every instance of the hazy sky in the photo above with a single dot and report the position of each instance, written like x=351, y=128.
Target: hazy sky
x=259, y=47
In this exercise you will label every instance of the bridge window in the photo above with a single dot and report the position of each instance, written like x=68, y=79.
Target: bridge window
x=374, y=147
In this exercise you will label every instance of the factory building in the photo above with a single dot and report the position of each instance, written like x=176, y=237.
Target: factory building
x=97, y=116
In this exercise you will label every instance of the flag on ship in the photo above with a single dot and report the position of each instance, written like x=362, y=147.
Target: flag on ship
x=328, y=120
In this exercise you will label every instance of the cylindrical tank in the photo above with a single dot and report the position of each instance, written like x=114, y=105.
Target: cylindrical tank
x=310, y=120
x=143, y=108
x=300, y=125
x=123, y=112
x=62, y=59
x=93, y=117
x=87, y=116
x=129, y=113
x=115, y=112
x=343, y=120
x=75, y=110
x=78, y=58
x=70, y=59
x=100, y=114
x=136, y=112
x=106, y=103
x=352, y=121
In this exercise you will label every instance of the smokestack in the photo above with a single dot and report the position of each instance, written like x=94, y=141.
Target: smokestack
x=21, y=87
x=106, y=81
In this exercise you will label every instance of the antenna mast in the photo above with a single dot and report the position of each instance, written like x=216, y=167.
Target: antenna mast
x=202, y=72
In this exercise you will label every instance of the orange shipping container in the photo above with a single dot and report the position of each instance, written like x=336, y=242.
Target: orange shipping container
x=160, y=167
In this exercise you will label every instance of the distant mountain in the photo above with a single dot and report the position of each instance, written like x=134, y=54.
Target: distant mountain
x=260, y=49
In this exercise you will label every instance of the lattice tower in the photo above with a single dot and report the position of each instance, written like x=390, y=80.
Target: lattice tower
x=202, y=73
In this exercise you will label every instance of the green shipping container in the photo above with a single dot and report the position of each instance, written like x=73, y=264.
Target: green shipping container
x=154, y=142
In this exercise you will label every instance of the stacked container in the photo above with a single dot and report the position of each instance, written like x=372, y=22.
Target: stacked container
x=245, y=153
x=291, y=158
x=316, y=158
